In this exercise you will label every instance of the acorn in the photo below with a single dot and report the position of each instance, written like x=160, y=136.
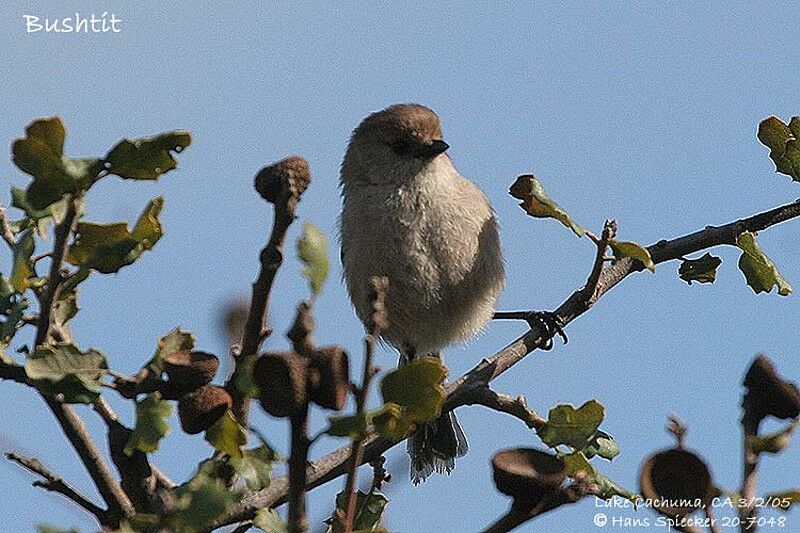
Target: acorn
x=528, y=475
x=187, y=371
x=329, y=378
x=199, y=410
x=291, y=174
x=673, y=477
x=768, y=393
x=281, y=378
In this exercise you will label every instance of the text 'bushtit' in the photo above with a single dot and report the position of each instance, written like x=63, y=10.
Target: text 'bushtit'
x=410, y=216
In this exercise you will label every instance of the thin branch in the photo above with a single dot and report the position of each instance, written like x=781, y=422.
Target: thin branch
x=291, y=177
x=54, y=483
x=5, y=229
x=376, y=324
x=335, y=463
x=140, y=480
x=503, y=403
x=749, y=511
x=119, y=504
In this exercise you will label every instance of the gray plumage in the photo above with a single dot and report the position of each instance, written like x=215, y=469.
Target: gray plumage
x=410, y=216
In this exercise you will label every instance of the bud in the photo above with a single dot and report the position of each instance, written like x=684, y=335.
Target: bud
x=199, y=410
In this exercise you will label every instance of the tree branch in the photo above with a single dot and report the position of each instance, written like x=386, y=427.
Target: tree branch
x=54, y=483
x=281, y=184
x=503, y=403
x=460, y=391
x=119, y=504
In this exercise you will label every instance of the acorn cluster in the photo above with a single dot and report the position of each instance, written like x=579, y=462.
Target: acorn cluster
x=287, y=381
x=189, y=375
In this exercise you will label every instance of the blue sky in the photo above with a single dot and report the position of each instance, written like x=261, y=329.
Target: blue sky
x=640, y=112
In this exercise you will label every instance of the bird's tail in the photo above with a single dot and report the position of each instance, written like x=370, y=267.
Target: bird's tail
x=435, y=446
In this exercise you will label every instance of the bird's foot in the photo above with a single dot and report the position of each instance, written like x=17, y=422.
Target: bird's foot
x=550, y=323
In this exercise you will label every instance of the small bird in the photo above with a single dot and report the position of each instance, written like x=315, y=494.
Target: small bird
x=410, y=216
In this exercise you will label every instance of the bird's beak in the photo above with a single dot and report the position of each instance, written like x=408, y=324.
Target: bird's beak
x=431, y=149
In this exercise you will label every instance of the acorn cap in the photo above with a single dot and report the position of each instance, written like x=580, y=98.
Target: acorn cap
x=189, y=370
x=768, y=393
x=291, y=174
x=199, y=410
x=672, y=479
x=281, y=378
x=527, y=474
x=329, y=379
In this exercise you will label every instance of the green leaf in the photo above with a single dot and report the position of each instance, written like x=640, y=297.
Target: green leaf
x=255, y=466
x=64, y=369
x=227, y=435
x=392, y=422
x=537, y=203
x=13, y=312
x=66, y=307
x=783, y=500
x=702, y=270
x=774, y=442
x=603, y=445
x=22, y=271
x=369, y=510
x=570, y=426
x=782, y=140
x=758, y=269
x=44, y=528
x=203, y=499
x=351, y=426
x=41, y=154
x=577, y=462
x=417, y=388
x=176, y=340
x=147, y=158
x=269, y=521
x=39, y=217
x=634, y=251
x=109, y=247
x=151, y=424
x=312, y=249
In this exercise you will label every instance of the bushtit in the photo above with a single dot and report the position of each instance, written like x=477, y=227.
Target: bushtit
x=410, y=216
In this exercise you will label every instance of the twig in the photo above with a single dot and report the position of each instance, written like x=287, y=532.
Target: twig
x=376, y=324
x=516, y=407
x=302, y=340
x=287, y=173
x=5, y=229
x=134, y=469
x=119, y=504
x=521, y=511
x=298, y=461
x=678, y=430
x=335, y=463
x=54, y=483
x=748, y=512
x=609, y=232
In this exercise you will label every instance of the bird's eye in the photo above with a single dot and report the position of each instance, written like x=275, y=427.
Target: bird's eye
x=400, y=147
